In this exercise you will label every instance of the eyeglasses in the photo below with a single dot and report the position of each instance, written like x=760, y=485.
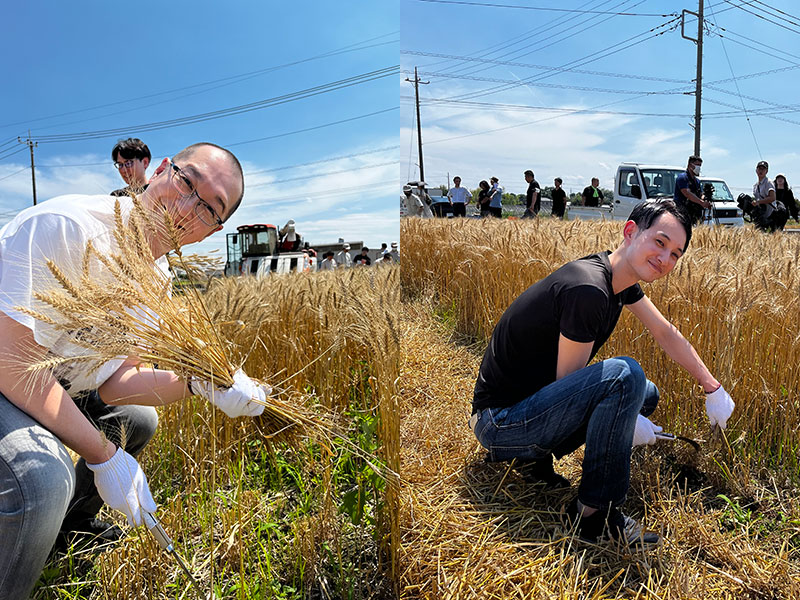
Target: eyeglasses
x=184, y=186
x=127, y=164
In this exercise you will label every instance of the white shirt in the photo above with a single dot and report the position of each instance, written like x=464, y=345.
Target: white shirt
x=59, y=230
x=343, y=259
x=459, y=195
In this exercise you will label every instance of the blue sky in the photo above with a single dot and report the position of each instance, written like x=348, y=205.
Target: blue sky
x=88, y=67
x=634, y=71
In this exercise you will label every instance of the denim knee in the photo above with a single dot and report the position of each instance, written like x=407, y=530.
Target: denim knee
x=633, y=379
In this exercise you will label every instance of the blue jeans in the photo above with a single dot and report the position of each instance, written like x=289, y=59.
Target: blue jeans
x=40, y=489
x=596, y=405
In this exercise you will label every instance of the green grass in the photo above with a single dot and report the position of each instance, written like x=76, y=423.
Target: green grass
x=286, y=523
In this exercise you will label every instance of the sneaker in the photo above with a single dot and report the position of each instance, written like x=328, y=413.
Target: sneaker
x=86, y=532
x=541, y=472
x=610, y=524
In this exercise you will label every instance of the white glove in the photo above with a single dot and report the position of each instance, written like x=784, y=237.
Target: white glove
x=123, y=486
x=719, y=407
x=245, y=398
x=645, y=432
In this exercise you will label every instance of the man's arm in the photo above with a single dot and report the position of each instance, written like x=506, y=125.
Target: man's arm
x=673, y=343
x=768, y=199
x=691, y=197
x=572, y=356
x=132, y=384
x=44, y=399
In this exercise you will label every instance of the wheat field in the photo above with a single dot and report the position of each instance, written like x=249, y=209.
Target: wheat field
x=257, y=513
x=729, y=512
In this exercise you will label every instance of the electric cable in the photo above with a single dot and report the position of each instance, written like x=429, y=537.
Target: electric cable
x=547, y=8
x=237, y=78
x=235, y=110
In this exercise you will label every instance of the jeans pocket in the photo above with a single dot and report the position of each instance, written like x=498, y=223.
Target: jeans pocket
x=499, y=452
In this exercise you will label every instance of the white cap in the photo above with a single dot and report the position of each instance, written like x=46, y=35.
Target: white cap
x=394, y=244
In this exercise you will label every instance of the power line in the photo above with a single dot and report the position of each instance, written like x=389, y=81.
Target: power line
x=316, y=175
x=230, y=80
x=778, y=10
x=541, y=44
x=571, y=64
x=328, y=194
x=498, y=47
x=9, y=153
x=548, y=85
x=526, y=108
x=738, y=91
x=14, y=173
x=757, y=46
x=280, y=135
x=755, y=14
x=540, y=67
x=324, y=160
x=540, y=8
x=235, y=110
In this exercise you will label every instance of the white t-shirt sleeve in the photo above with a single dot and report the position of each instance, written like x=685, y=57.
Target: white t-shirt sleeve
x=23, y=268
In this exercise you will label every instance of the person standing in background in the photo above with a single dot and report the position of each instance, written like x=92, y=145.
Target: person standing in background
x=533, y=197
x=559, y=197
x=459, y=198
x=131, y=158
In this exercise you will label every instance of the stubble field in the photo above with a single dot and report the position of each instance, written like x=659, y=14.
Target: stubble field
x=729, y=512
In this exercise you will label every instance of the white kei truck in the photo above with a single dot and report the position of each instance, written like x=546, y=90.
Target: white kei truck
x=635, y=182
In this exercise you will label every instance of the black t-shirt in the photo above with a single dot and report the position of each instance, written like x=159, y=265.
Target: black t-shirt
x=577, y=301
x=128, y=191
x=483, y=198
x=532, y=187
x=588, y=195
x=559, y=197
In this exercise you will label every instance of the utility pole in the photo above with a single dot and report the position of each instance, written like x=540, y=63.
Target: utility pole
x=30, y=143
x=416, y=83
x=698, y=90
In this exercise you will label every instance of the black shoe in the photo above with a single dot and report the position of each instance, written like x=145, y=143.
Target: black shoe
x=610, y=523
x=86, y=532
x=541, y=472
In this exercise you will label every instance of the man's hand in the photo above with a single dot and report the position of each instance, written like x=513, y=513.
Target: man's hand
x=123, y=486
x=245, y=398
x=645, y=432
x=719, y=407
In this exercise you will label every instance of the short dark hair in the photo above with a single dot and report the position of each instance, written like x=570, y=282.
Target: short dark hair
x=645, y=214
x=529, y=172
x=327, y=254
x=130, y=149
x=495, y=179
x=559, y=180
x=189, y=150
x=694, y=159
x=364, y=249
x=456, y=177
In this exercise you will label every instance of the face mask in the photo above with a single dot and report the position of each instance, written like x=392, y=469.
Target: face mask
x=696, y=170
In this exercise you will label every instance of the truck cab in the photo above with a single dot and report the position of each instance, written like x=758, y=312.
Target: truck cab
x=635, y=182
x=254, y=250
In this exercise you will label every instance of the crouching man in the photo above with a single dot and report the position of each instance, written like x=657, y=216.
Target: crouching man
x=537, y=397
x=41, y=493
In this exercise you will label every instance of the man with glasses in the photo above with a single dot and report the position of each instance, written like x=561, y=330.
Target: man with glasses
x=131, y=157
x=41, y=493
